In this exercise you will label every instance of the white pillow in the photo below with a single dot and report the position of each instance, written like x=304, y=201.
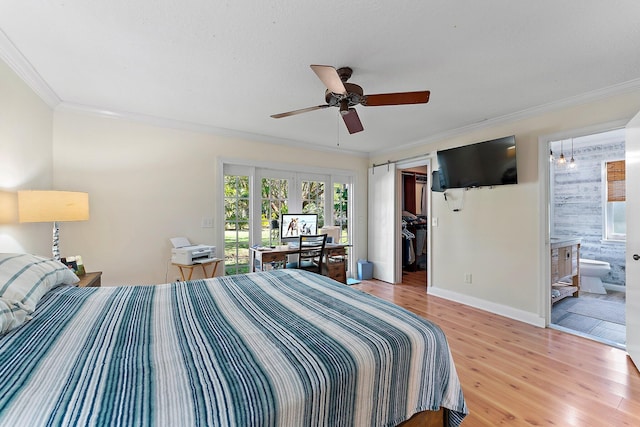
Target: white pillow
x=10, y=316
x=25, y=278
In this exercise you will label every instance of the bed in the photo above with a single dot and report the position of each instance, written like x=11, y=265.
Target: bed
x=280, y=348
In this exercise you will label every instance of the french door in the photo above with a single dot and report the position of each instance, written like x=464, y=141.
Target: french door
x=237, y=219
x=255, y=198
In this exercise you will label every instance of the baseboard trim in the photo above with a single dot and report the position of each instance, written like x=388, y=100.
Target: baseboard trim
x=491, y=307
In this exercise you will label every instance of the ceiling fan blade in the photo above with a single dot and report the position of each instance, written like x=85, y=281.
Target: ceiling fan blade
x=396, y=98
x=352, y=120
x=300, y=111
x=330, y=78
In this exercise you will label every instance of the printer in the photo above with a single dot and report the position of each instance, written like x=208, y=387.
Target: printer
x=183, y=252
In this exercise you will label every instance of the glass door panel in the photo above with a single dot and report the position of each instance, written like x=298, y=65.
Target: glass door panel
x=236, y=224
x=275, y=199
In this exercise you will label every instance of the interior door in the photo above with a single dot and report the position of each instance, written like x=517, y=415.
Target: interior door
x=632, y=179
x=382, y=229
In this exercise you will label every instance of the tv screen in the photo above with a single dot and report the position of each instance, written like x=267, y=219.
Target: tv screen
x=293, y=225
x=482, y=164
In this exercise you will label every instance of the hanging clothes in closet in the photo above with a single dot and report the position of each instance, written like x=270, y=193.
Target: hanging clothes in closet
x=421, y=192
x=414, y=215
x=408, y=251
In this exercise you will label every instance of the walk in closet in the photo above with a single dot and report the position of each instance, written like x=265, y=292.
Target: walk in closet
x=415, y=186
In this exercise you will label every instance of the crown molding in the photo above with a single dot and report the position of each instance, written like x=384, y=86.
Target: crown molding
x=23, y=68
x=195, y=127
x=573, y=101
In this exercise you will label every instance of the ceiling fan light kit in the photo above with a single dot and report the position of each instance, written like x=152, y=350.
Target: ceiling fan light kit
x=345, y=95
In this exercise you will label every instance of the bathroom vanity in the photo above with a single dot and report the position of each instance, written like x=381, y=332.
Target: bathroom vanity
x=565, y=268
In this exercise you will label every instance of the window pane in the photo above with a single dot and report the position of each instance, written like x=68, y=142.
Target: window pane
x=616, y=221
x=619, y=218
x=274, y=203
x=236, y=224
x=615, y=217
x=340, y=210
x=313, y=199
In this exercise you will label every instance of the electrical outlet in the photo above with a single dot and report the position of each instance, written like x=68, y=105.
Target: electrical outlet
x=207, y=222
x=467, y=278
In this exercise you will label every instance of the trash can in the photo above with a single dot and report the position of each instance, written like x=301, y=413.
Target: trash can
x=365, y=269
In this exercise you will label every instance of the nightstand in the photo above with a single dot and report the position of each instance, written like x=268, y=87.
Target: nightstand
x=90, y=280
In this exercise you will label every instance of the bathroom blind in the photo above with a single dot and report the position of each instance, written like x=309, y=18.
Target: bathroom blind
x=616, y=181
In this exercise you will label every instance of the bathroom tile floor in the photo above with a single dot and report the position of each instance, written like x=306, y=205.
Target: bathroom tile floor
x=594, y=316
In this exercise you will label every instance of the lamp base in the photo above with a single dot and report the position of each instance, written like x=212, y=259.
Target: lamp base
x=56, y=240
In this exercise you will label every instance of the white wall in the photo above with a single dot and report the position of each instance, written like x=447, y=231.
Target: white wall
x=25, y=159
x=147, y=184
x=496, y=237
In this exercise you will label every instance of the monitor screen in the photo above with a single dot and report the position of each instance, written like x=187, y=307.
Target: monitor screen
x=293, y=225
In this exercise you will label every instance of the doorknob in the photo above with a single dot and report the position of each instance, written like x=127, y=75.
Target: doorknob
x=636, y=257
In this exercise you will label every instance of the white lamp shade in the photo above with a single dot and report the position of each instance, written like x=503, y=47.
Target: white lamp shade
x=52, y=206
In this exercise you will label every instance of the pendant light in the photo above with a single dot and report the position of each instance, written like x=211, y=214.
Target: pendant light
x=561, y=160
x=572, y=162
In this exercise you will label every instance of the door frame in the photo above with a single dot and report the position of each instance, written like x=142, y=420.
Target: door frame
x=426, y=160
x=258, y=169
x=544, y=291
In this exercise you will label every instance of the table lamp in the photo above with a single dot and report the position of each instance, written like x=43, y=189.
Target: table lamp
x=8, y=207
x=53, y=206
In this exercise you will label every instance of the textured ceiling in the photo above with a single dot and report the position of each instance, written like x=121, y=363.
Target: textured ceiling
x=229, y=65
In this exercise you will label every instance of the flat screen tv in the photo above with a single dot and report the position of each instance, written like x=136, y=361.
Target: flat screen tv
x=293, y=225
x=482, y=164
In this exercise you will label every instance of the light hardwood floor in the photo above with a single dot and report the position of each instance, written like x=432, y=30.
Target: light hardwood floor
x=516, y=374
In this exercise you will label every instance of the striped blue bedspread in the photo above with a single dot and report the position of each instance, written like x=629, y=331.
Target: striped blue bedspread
x=286, y=348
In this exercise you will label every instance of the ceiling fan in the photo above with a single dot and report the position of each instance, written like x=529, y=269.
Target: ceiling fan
x=345, y=95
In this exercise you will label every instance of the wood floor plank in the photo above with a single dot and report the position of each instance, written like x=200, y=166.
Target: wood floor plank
x=516, y=374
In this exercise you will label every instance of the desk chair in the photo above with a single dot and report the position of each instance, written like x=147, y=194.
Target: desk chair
x=310, y=253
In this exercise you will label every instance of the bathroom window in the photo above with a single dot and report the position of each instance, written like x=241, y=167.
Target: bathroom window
x=615, y=219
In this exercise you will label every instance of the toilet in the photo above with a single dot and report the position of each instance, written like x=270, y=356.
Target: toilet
x=591, y=273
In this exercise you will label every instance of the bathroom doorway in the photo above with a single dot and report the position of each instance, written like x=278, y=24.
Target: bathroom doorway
x=587, y=204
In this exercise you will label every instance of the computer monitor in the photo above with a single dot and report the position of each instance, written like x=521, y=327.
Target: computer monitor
x=293, y=225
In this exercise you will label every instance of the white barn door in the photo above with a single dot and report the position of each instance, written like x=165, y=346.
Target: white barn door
x=382, y=222
x=632, y=180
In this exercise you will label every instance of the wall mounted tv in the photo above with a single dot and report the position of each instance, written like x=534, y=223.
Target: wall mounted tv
x=482, y=164
x=293, y=225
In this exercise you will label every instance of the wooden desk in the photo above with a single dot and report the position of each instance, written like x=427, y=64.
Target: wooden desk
x=334, y=263
x=190, y=267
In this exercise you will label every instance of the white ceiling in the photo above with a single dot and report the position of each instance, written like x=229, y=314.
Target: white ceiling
x=228, y=65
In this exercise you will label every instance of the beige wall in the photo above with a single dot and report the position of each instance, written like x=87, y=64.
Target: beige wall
x=25, y=160
x=497, y=235
x=147, y=184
